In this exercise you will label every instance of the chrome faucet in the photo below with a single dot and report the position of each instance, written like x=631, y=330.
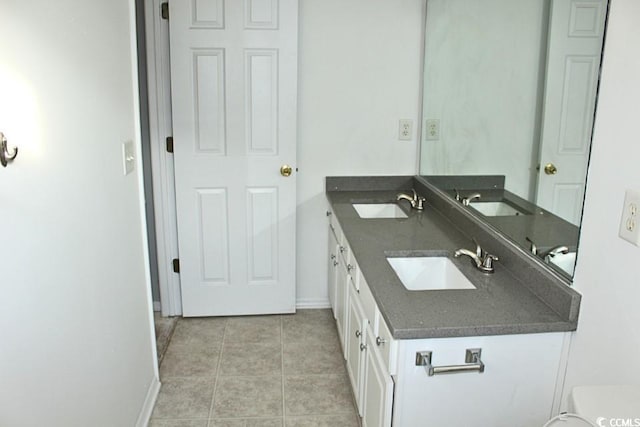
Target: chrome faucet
x=532, y=247
x=560, y=249
x=466, y=200
x=482, y=259
x=417, y=202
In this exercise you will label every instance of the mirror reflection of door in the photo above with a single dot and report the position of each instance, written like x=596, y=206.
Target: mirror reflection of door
x=576, y=31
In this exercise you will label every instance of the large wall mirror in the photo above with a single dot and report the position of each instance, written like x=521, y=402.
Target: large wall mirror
x=510, y=90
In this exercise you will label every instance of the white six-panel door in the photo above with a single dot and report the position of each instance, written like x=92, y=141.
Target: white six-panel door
x=576, y=31
x=234, y=86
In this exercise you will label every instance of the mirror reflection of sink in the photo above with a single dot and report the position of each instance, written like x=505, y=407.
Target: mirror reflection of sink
x=496, y=209
x=429, y=273
x=379, y=210
x=566, y=262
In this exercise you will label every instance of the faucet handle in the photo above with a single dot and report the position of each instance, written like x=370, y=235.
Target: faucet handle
x=487, y=262
x=479, y=250
x=533, y=248
x=455, y=190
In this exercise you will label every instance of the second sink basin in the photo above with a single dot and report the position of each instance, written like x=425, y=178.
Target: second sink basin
x=429, y=273
x=495, y=209
x=379, y=210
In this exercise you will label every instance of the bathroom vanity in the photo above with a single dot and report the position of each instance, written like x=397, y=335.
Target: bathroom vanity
x=455, y=346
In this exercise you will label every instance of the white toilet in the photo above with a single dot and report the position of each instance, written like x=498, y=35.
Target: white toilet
x=601, y=406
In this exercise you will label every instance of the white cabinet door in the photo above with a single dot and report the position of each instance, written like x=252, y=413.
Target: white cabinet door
x=341, y=301
x=332, y=270
x=356, y=346
x=516, y=388
x=377, y=388
x=234, y=94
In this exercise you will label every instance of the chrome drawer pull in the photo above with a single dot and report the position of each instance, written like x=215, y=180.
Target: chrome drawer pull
x=472, y=360
x=380, y=341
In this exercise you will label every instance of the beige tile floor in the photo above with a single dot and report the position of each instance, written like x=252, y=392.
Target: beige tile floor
x=258, y=371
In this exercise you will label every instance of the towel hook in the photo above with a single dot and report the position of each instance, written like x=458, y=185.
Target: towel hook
x=6, y=156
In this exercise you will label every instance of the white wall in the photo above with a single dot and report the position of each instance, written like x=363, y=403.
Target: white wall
x=359, y=73
x=606, y=347
x=483, y=82
x=75, y=336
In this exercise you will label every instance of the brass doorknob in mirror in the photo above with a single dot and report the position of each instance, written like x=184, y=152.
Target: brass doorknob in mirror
x=285, y=170
x=550, y=169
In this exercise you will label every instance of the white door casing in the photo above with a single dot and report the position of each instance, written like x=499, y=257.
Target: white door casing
x=576, y=31
x=234, y=89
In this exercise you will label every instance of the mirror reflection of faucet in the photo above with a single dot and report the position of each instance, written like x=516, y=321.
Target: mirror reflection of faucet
x=417, y=202
x=466, y=201
x=550, y=253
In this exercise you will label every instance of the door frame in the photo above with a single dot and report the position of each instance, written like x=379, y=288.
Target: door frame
x=160, y=127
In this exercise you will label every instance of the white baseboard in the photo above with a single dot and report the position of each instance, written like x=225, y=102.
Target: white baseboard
x=149, y=403
x=307, y=303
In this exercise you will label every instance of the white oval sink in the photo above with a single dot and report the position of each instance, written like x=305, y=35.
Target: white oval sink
x=429, y=273
x=495, y=209
x=566, y=262
x=379, y=210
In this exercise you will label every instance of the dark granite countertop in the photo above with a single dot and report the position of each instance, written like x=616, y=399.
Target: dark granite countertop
x=502, y=303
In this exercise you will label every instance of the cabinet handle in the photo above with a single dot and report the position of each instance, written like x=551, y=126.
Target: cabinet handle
x=350, y=267
x=335, y=263
x=328, y=213
x=380, y=341
x=358, y=334
x=342, y=248
x=472, y=360
x=363, y=347
x=333, y=256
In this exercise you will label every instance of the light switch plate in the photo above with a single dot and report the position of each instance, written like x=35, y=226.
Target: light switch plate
x=630, y=222
x=128, y=157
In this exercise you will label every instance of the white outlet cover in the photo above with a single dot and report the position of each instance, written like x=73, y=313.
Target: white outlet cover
x=432, y=130
x=630, y=221
x=405, y=130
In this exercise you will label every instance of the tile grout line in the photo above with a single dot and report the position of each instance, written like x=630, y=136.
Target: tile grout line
x=217, y=376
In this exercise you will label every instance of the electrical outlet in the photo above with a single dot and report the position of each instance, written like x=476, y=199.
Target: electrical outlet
x=432, y=130
x=630, y=222
x=128, y=157
x=405, y=131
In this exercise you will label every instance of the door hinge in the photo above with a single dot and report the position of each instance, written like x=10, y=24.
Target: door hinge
x=176, y=265
x=164, y=10
x=169, y=144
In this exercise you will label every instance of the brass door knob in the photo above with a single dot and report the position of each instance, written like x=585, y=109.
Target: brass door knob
x=285, y=170
x=550, y=169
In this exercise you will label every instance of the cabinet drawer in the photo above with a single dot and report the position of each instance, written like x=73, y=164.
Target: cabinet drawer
x=385, y=343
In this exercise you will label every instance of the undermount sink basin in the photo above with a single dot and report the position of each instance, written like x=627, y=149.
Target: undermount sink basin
x=379, y=210
x=429, y=273
x=495, y=209
x=566, y=262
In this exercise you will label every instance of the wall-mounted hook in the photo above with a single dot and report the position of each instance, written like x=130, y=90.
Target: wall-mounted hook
x=6, y=156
